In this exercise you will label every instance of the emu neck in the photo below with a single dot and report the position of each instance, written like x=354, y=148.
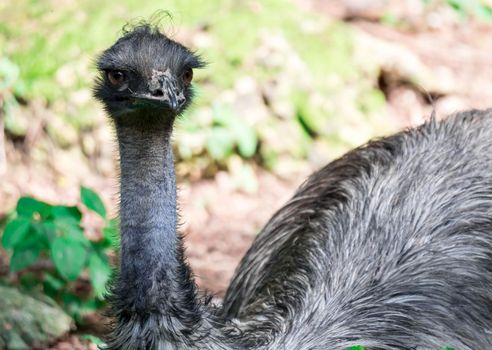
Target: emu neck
x=148, y=187
x=149, y=242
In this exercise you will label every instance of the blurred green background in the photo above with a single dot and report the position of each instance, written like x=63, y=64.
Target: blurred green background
x=289, y=86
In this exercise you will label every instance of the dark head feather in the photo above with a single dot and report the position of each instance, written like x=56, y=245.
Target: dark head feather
x=153, y=69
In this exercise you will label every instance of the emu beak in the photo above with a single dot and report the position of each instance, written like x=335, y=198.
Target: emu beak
x=163, y=92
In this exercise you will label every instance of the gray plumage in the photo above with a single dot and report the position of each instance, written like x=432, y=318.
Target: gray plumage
x=389, y=247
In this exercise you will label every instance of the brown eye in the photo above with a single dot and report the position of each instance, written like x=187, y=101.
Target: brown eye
x=188, y=76
x=117, y=78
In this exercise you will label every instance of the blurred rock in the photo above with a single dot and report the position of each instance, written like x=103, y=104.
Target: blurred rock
x=16, y=121
x=66, y=75
x=71, y=166
x=242, y=174
x=202, y=40
x=401, y=64
x=248, y=102
x=363, y=8
x=3, y=156
x=451, y=104
x=366, y=9
x=104, y=149
x=80, y=97
x=89, y=145
x=74, y=72
x=61, y=132
x=26, y=320
x=415, y=15
x=410, y=105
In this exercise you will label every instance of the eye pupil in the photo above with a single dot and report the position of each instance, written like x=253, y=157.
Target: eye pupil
x=116, y=77
x=188, y=76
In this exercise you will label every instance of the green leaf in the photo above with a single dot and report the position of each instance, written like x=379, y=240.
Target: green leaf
x=237, y=130
x=484, y=12
x=357, y=347
x=53, y=285
x=72, y=304
x=15, y=231
x=35, y=239
x=99, y=273
x=244, y=177
x=77, y=307
x=246, y=141
x=47, y=229
x=28, y=207
x=69, y=256
x=72, y=230
x=29, y=280
x=220, y=143
x=222, y=114
x=92, y=201
x=66, y=213
x=9, y=72
x=53, y=282
x=110, y=232
x=91, y=305
x=93, y=339
x=24, y=257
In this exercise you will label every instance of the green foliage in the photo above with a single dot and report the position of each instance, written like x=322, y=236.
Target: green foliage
x=230, y=131
x=39, y=230
x=9, y=73
x=69, y=256
x=9, y=86
x=99, y=270
x=92, y=201
x=464, y=10
x=471, y=8
x=93, y=339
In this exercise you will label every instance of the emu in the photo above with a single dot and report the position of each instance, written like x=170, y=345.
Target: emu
x=388, y=247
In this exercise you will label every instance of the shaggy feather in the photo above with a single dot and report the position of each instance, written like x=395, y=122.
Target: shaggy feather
x=388, y=247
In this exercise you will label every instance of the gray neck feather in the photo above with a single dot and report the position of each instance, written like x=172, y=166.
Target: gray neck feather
x=155, y=293
x=148, y=216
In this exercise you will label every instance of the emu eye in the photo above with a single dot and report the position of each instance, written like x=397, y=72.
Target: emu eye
x=188, y=76
x=117, y=78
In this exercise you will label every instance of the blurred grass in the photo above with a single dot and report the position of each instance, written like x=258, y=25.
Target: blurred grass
x=314, y=77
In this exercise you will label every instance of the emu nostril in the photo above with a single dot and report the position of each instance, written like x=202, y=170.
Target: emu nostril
x=158, y=93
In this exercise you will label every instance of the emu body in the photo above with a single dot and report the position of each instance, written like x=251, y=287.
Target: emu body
x=389, y=247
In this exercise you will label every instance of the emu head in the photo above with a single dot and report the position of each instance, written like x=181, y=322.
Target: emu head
x=146, y=74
